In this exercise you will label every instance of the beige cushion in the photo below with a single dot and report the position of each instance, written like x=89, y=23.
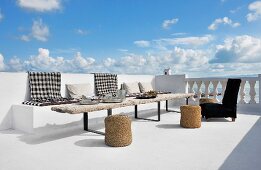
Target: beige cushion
x=77, y=90
x=145, y=86
x=131, y=87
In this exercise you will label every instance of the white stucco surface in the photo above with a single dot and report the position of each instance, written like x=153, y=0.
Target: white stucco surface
x=218, y=144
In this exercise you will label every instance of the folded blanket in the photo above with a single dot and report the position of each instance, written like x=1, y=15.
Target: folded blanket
x=105, y=83
x=45, y=85
x=45, y=89
x=48, y=102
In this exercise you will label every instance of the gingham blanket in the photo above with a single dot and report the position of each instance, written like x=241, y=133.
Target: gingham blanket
x=45, y=89
x=105, y=83
x=48, y=102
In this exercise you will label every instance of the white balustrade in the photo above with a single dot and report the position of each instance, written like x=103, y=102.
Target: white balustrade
x=244, y=98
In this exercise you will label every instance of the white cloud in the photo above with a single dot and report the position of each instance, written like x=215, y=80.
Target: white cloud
x=15, y=64
x=133, y=60
x=40, y=31
x=225, y=21
x=108, y=62
x=81, y=32
x=1, y=16
x=255, y=14
x=2, y=64
x=167, y=23
x=240, y=49
x=122, y=50
x=40, y=5
x=142, y=43
x=25, y=38
x=189, y=41
x=82, y=62
x=179, y=33
x=44, y=62
x=233, y=11
x=189, y=57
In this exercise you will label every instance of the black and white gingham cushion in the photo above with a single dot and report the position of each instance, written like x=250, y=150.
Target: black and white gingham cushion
x=45, y=85
x=105, y=83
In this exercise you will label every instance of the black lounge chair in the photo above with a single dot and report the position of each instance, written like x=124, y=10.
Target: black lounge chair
x=228, y=108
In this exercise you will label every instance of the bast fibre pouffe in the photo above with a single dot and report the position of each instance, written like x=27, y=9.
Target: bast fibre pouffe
x=118, y=131
x=190, y=116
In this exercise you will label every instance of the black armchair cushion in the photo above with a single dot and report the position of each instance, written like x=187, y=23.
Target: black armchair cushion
x=231, y=93
x=209, y=110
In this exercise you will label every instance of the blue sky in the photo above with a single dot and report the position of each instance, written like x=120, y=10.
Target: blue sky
x=220, y=37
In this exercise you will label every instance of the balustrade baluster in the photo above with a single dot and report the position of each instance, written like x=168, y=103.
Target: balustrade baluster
x=191, y=90
x=207, y=88
x=224, y=85
x=252, y=91
x=242, y=92
x=199, y=92
x=215, y=90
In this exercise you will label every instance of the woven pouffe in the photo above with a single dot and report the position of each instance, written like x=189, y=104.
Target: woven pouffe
x=118, y=131
x=190, y=116
x=207, y=100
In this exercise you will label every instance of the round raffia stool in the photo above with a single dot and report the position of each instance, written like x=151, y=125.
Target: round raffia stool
x=190, y=116
x=207, y=100
x=118, y=130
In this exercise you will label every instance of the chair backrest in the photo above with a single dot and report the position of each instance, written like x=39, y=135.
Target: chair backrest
x=231, y=93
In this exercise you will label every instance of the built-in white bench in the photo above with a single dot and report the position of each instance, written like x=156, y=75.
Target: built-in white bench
x=30, y=118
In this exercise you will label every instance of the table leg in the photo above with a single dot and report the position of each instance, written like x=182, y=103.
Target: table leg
x=136, y=111
x=155, y=120
x=85, y=121
x=109, y=112
x=158, y=111
x=187, y=98
x=86, y=125
x=167, y=107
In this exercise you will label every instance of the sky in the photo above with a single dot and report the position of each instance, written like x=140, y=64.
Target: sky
x=199, y=38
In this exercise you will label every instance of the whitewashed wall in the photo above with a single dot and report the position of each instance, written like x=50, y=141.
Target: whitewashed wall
x=13, y=90
x=174, y=84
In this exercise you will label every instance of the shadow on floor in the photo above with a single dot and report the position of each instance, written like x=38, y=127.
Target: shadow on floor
x=52, y=132
x=246, y=155
x=169, y=126
x=216, y=120
x=91, y=143
x=148, y=114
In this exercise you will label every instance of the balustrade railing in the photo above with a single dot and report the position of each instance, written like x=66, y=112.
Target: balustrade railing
x=215, y=88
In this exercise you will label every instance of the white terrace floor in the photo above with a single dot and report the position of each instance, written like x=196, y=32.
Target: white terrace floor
x=218, y=144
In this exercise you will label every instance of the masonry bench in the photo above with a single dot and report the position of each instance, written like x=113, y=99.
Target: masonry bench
x=77, y=109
